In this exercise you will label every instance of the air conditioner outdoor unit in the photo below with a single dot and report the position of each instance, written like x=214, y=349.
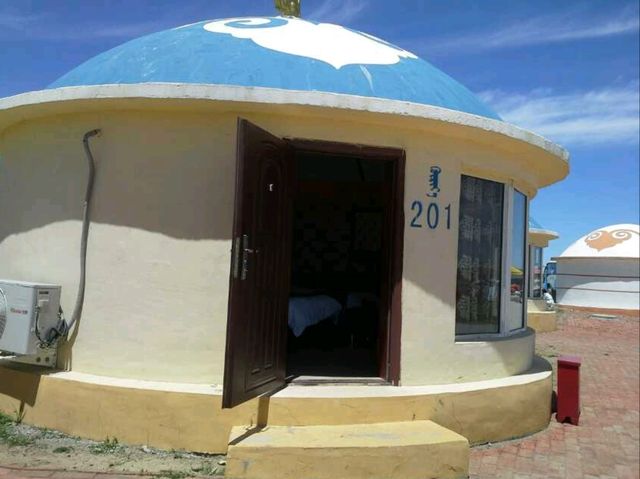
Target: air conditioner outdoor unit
x=23, y=308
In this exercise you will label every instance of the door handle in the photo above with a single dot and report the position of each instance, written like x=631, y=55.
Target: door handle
x=246, y=251
x=240, y=257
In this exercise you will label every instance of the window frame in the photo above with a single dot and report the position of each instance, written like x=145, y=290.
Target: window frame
x=504, y=325
x=505, y=293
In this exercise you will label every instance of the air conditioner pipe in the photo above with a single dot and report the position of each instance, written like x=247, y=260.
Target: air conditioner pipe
x=64, y=327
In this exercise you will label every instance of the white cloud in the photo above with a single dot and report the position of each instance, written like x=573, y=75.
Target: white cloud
x=604, y=116
x=545, y=29
x=42, y=26
x=17, y=21
x=123, y=31
x=336, y=11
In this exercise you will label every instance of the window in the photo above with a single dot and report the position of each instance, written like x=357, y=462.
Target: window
x=515, y=310
x=535, y=282
x=492, y=258
x=479, y=256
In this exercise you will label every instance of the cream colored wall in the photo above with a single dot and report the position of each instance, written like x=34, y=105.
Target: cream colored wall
x=158, y=246
x=156, y=304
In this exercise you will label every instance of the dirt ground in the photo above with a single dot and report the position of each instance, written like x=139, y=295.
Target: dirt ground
x=26, y=446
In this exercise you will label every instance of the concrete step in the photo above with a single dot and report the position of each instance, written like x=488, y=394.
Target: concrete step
x=402, y=450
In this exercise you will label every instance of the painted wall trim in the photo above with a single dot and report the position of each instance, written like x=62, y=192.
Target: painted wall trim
x=25, y=105
x=538, y=372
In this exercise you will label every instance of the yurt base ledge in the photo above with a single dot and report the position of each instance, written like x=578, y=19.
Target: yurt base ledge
x=541, y=319
x=190, y=417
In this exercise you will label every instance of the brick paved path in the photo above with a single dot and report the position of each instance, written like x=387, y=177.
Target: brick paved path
x=605, y=444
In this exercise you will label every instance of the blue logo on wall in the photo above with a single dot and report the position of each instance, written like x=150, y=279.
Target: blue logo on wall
x=434, y=181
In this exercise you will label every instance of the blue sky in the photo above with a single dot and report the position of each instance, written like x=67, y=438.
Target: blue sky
x=567, y=70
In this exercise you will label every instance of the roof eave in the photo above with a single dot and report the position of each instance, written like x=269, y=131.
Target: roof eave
x=93, y=97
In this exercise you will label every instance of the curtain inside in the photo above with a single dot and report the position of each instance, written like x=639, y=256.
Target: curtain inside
x=479, y=256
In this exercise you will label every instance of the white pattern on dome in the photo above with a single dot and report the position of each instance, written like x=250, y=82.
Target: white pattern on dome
x=326, y=42
x=615, y=241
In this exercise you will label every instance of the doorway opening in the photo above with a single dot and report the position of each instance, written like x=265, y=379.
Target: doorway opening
x=341, y=259
x=316, y=264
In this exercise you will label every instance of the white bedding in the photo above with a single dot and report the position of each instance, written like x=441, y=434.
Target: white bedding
x=305, y=311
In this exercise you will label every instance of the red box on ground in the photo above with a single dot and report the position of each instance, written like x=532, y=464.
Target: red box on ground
x=568, y=389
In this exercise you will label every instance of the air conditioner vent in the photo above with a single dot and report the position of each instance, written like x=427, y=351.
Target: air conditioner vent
x=25, y=307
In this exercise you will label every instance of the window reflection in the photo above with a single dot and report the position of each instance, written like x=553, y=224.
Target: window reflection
x=518, y=261
x=535, y=284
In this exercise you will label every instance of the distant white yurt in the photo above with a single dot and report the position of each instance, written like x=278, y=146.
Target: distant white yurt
x=601, y=270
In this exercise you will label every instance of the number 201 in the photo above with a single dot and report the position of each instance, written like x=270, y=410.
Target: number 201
x=432, y=215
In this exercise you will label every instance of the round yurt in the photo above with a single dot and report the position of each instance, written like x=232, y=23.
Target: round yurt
x=541, y=316
x=601, y=270
x=266, y=221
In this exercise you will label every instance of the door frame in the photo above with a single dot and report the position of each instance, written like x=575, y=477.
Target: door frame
x=391, y=355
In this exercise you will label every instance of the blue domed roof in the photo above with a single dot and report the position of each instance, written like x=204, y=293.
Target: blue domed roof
x=277, y=52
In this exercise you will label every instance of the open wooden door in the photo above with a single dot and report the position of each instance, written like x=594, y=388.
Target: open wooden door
x=260, y=267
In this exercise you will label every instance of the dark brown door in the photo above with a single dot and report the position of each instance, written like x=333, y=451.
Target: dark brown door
x=260, y=267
